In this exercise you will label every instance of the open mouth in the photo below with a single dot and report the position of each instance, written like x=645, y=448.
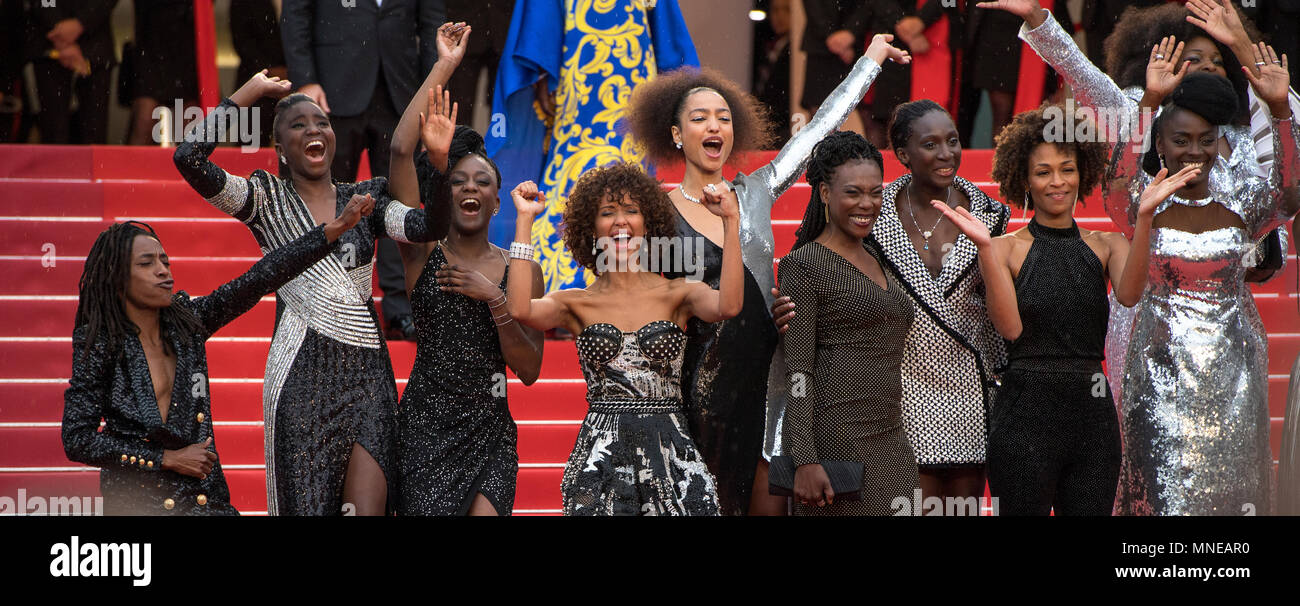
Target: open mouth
x=621, y=239
x=862, y=220
x=470, y=206
x=1193, y=164
x=1059, y=196
x=713, y=147
x=946, y=171
x=315, y=151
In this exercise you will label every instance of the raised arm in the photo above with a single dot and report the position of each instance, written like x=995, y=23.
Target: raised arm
x=401, y=222
x=403, y=181
x=233, y=195
x=234, y=298
x=717, y=305
x=789, y=163
x=1000, y=289
x=84, y=405
x=542, y=313
x=1272, y=83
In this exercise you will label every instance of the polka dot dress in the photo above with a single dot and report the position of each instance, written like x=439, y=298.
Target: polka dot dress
x=843, y=350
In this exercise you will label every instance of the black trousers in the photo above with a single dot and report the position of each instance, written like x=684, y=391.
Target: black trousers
x=372, y=131
x=1054, y=442
x=55, y=85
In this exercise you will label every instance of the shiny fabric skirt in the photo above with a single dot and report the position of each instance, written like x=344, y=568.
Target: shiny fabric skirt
x=640, y=462
x=334, y=395
x=1194, y=412
x=452, y=448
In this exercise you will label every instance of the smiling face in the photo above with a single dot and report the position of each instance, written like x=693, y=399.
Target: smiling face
x=704, y=131
x=620, y=230
x=933, y=151
x=306, y=140
x=1203, y=55
x=1188, y=139
x=1053, y=179
x=853, y=197
x=474, y=194
x=149, y=284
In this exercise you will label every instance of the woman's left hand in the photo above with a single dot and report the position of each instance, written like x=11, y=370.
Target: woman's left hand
x=468, y=282
x=721, y=201
x=1273, y=83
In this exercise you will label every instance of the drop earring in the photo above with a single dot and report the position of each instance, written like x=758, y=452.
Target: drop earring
x=678, y=144
x=1162, y=161
x=827, y=211
x=1024, y=208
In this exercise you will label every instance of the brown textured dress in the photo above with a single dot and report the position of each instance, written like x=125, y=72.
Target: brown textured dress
x=843, y=351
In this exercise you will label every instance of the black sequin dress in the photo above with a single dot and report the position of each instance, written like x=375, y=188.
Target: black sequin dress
x=457, y=437
x=634, y=455
x=725, y=374
x=1054, y=438
x=329, y=381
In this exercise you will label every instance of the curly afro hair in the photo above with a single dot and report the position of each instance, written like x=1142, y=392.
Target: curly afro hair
x=836, y=150
x=1023, y=135
x=614, y=182
x=656, y=107
x=1128, y=48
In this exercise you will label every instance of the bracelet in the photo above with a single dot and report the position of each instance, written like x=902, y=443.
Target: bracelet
x=519, y=250
x=497, y=302
x=497, y=319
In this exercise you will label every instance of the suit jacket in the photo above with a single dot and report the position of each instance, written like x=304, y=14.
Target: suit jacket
x=343, y=45
x=829, y=16
x=96, y=41
x=112, y=382
x=255, y=32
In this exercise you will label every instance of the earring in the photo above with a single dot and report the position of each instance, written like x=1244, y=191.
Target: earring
x=827, y=211
x=1162, y=161
x=679, y=144
x=593, y=248
x=283, y=160
x=1024, y=209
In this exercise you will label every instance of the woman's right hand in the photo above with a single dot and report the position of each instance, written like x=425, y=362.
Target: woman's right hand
x=529, y=201
x=1161, y=77
x=782, y=311
x=263, y=85
x=194, y=460
x=451, y=41
x=812, y=486
x=359, y=206
x=975, y=230
x=438, y=125
x=1029, y=10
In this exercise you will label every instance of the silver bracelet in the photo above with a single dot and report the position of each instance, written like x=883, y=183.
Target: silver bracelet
x=519, y=250
x=498, y=301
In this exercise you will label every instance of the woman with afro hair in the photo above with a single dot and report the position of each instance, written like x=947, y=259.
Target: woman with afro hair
x=705, y=121
x=634, y=454
x=1054, y=439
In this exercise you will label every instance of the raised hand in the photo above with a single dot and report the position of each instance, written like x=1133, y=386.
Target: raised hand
x=194, y=460
x=1219, y=20
x=1029, y=10
x=1161, y=188
x=359, y=206
x=262, y=84
x=1161, y=76
x=721, y=201
x=975, y=230
x=438, y=125
x=452, y=40
x=529, y=201
x=881, y=49
x=1272, y=84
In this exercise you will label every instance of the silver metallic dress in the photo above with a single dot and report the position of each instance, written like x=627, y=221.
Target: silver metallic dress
x=1252, y=149
x=329, y=381
x=1195, y=389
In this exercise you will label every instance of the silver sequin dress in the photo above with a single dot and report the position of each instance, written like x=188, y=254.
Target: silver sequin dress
x=329, y=381
x=1194, y=407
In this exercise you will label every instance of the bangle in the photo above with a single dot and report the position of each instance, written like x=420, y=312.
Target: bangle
x=519, y=250
x=498, y=301
x=497, y=319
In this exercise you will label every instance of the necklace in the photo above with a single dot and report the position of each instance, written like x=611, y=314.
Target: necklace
x=925, y=233
x=688, y=196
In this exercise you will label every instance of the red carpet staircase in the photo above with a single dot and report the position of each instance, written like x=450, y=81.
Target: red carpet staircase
x=55, y=199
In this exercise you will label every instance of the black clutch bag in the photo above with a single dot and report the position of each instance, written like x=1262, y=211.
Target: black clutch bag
x=846, y=478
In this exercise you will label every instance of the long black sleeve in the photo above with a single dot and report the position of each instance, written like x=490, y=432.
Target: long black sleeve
x=231, y=194
x=296, y=36
x=236, y=297
x=84, y=404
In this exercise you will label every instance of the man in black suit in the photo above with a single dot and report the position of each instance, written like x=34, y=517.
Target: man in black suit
x=362, y=60
x=71, y=47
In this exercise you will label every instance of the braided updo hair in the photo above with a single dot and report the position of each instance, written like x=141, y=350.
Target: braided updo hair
x=837, y=149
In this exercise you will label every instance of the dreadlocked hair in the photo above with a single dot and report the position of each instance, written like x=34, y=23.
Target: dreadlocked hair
x=100, y=311
x=837, y=149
